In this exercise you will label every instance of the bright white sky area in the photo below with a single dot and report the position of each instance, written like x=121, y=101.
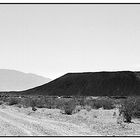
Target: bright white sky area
x=51, y=40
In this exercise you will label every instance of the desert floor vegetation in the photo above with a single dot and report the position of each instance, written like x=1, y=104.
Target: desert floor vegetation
x=99, y=116
x=129, y=108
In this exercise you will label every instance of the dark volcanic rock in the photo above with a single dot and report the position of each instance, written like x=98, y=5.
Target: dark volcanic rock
x=121, y=83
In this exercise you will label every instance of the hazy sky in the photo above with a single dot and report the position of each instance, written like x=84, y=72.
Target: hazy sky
x=51, y=40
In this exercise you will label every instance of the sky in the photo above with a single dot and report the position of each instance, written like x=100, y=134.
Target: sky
x=52, y=40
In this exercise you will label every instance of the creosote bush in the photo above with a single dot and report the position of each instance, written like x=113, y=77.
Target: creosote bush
x=69, y=107
x=130, y=108
x=13, y=101
x=1, y=102
x=102, y=102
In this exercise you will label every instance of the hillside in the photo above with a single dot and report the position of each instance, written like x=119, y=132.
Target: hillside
x=12, y=80
x=121, y=83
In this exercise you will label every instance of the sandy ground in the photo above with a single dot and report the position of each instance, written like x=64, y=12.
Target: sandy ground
x=22, y=122
x=16, y=121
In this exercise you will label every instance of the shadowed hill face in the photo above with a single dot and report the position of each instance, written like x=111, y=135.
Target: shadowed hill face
x=12, y=80
x=91, y=84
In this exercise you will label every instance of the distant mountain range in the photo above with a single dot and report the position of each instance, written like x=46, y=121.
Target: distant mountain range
x=119, y=83
x=12, y=80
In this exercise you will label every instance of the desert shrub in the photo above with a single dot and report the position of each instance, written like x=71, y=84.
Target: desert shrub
x=136, y=108
x=82, y=101
x=25, y=102
x=95, y=104
x=130, y=108
x=49, y=102
x=136, y=113
x=69, y=107
x=88, y=108
x=40, y=103
x=13, y=101
x=126, y=114
x=30, y=102
x=1, y=102
x=4, y=99
x=33, y=102
x=59, y=103
x=105, y=103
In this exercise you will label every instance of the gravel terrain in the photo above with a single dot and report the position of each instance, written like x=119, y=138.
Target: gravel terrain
x=15, y=121
x=18, y=123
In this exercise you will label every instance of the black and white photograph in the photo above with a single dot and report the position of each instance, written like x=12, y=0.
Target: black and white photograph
x=69, y=69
